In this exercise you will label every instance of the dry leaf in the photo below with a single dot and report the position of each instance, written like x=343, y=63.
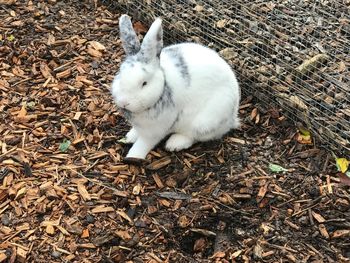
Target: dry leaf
x=164, y=202
x=236, y=254
x=50, y=229
x=183, y=221
x=344, y=179
x=51, y=39
x=50, y=222
x=17, y=23
x=296, y=101
x=226, y=199
x=312, y=63
x=266, y=228
x=21, y=192
x=85, y=233
x=7, y=2
x=3, y=257
x=136, y=190
x=262, y=192
x=22, y=112
x=341, y=233
x=221, y=23
x=123, y=235
x=304, y=135
x=199, y=245
x=198, y=8
x=139, y=27
x=293, y=100
x=228, y=53
x=93, y=52
x=97, y=45
x=257, y=251
x=219, y=254
x=253, y=113
x=341, y=67
x=304, y=139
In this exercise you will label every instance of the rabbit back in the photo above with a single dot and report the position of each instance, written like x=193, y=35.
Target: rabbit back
x=205, y=91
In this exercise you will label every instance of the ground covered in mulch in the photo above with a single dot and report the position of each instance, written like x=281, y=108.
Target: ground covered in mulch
x=67, y=196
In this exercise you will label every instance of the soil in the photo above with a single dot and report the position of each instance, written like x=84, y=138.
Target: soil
x=67, y=195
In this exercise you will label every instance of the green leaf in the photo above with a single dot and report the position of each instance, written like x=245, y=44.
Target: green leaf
x=304, y=131
x=64, y=145
x=122, y=140
x=276, y=168
x=348, y=173
x=11, y=38
x=31, y=104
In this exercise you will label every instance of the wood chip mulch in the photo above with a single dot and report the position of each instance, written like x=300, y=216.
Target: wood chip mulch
x=66, y=195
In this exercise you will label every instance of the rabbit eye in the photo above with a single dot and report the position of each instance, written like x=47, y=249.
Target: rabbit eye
x=144, y=84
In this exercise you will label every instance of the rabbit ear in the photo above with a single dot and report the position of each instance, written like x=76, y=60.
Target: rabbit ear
x=153, y=41
x=131, y=43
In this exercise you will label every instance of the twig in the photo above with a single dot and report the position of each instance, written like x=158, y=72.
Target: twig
x=12, y=236
x=286, y=202
x=152, y=240
x=314, y=250
x=279, y=247
x=7, y=153
x=21, y=81
x=228, y=207
x=152, y=255
x=314, y=203
x=115, y=191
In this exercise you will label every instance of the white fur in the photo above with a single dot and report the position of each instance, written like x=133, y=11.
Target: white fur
x=204, y=94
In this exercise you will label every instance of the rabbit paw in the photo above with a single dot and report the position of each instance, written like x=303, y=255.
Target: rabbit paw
x=141, y=147
x=178, y=142
x=131, y=136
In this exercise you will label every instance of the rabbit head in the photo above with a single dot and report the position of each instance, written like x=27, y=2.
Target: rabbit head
x=140, y=81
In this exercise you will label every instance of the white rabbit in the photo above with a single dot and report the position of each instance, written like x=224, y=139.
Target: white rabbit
x=186, y=90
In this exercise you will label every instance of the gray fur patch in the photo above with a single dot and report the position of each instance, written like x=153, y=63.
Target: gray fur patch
x=165, y=101
x=151, y=47
x=143, y=57
x=126, y=113
x=159, y=42
x=179, y=62
x=129, y=62
x=176, y=120
x=131, y=43
x=222, y=122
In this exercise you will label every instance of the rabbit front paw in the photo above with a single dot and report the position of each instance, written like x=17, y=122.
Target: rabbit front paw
x=142, y=147
x=178, y=142
x=131, y=136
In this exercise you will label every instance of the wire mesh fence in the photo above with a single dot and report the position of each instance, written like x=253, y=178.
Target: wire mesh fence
x=293, y=54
